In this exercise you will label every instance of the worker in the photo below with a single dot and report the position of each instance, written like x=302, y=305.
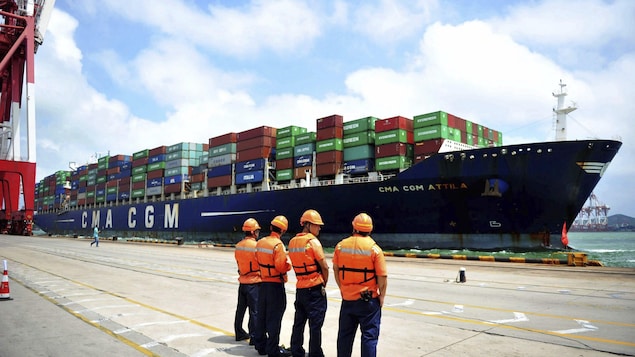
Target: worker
x=249, y=279
x=312, y=273
x=360, y=272
x=274, y=264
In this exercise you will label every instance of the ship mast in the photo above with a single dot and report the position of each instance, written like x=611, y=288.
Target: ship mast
x=561, y=113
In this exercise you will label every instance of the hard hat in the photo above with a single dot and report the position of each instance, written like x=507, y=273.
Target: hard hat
x=280, y=222
x=363, y=223
x=311, y=216
x=250, y=225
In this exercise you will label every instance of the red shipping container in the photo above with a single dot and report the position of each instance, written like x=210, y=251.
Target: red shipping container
x=198, y=178
x=138, y=185
x=114, y=170
x=112, y=183
x=428, y=146
x=330, y=121
x=83, y=183
x=125, y=181
x=81, y=201
x=222, y=139
x=172, y=188
x=327, y=169
x=253, y=154
x=394, y=123
x=157, y=151
x=220, y=181
x=300, y=172
x=92, y=166
x=155, y=174
x=256, y=132
x=124, y=188
x=335, y=156
x=102, y=172
x=284, y=164
x=332, y=132
x=101, y=186
x=419, y=158
x=464, y=137
x=116, y=158
x=140, y=162
x=392, y=149
x=260, y=141
x=456, y=122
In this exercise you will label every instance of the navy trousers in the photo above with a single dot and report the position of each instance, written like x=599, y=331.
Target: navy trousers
x=366, y=315
x=272, y=301
x=247, y=299
x=310, y=304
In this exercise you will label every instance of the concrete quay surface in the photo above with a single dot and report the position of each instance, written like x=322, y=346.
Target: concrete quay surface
x=128, y=299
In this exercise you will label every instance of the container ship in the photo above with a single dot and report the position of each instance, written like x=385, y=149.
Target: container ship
x=431, y=181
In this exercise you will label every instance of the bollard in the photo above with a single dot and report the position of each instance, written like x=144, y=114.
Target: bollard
x=462, y=278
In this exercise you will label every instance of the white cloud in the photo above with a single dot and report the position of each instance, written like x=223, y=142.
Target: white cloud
x=391, y=20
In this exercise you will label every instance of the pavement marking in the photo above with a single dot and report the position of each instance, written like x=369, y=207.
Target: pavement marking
x=586, y=327
x=518, y=317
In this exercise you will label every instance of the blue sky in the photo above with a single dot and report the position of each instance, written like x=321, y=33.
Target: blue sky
x=122, y=76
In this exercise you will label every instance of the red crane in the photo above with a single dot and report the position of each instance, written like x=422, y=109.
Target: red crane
x=22, y=26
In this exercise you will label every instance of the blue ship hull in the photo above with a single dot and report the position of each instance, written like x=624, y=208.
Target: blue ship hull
x=484, y=199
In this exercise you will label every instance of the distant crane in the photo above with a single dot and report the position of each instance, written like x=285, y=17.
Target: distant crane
x=592, y=217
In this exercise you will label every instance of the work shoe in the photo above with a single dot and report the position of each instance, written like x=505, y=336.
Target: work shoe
x=284, y=352
x=242, y=337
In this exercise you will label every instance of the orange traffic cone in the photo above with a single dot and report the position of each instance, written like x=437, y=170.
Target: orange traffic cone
x=4, y=286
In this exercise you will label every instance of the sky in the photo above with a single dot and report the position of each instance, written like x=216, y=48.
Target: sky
x=119, y=76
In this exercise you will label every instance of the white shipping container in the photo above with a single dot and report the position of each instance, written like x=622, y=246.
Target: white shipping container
x=221, y=160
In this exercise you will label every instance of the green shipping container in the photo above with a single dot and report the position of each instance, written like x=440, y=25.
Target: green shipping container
x=284, y=175
x=111, y=190
x=138, y=193
x=329, y=145
x=139, y=169
x=181, y=170
x=307, y=138
x=360, y=138
x=391, y=136
x=102, y=179
x=140, y=154
x=229, y=148
x=434, y=132
x=428, y=119
x=156, y=166
x=359, y=152
x=360, y=125
x=139, y=177
x=290, y=131
x=103, y=160
x=392, y=163
x=304, y=149
x=284, y=153
x=286, y=142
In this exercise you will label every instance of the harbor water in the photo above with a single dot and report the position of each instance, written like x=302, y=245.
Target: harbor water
x=612, y=249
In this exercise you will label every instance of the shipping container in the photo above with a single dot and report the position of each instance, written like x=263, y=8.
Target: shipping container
x=430, y=119
x=259, y=132
x=284, y=164
x=155, y=174
x=139, y=170
x=251, y=165
x=304, y=149
x=393, y=149
x=222, y=139
x=169, y=180
x=329, y=145
x=285, y=142
x=155, y=182
x=394, y=136
x=249, y=177
x=217, y=171
x=302, y=161
x=156, y=166
x=360, y=125
x=136, y=185
x=394, y=123
x=173, y=188
x=140, y=154
x=285, y=153
x=359, y=138
x=329, y=133
x=434, y=132
x=328, y=169
x=254, y=153
x=355, y=167
x=154, y=191
x=301, y=172
x=221, y=160
x=260, y=141
x=309, y=137
x=392, y=163
x=284, y=175
x=224, y=149
x=359, y=152
x=291, y=130
x=332, y=120
x=427, y=146
x=336, y=156
x=158, y=150
x=156, y=158
x=220, y=181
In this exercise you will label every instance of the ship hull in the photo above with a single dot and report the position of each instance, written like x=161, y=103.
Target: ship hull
x=486, y=199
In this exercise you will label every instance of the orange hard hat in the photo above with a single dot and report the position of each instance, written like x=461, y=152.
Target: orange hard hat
x=280, y=222
x=363, y=223
x=311, y=216
x=250, y=225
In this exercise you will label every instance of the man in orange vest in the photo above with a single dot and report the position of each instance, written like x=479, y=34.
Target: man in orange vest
x=312, y=272
x=272, y=299
x=249, y=279
x=360, y=272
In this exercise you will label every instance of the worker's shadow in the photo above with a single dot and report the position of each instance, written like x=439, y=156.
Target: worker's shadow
x=233, y=347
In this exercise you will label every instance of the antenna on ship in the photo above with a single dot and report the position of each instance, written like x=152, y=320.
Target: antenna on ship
x=561, y=113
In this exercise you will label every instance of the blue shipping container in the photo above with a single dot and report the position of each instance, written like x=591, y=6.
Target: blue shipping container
x=304, y=160
x=155, y=182
x=247, y=177
x=157, y=158
x=217, y=171
x=174, y=179
x=359, y=166
x=252, y=165
x=123, y=195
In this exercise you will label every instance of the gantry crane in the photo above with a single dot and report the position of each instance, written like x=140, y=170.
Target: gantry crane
x=22, y=27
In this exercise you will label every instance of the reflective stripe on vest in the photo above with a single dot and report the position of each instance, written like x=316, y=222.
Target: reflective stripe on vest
x=267, y=263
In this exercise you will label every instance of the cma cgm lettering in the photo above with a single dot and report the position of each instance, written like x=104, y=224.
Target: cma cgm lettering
x=135, y=219
x=423, y=187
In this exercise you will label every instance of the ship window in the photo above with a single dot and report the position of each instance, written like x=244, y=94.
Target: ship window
x=503, y=151
x=471, y=157
x=549, y=150
x=539, y=151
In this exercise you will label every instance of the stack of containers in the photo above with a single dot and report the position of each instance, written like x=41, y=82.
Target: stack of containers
x=82, y=185
x=394, y=142
x=286, y=142
x=329, y=146
x=101, y=178
x=253, y=149
x=222, y=156
x=359, y=146
x=198, y=179
x=302, y=159
x=138, y=176
x=119, y=167
x=155, y=171
x=438, y=131
x=91, y=181
x=179, y=161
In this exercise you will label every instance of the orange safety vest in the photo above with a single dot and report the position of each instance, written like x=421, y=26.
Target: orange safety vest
x=306, y=268
x=245, y=254
x=272, y=259
x=353, y=257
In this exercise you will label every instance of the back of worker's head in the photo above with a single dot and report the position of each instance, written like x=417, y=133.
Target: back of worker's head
x=311, y=216
x=362, y=224
x=279, y=224
x=251, y=226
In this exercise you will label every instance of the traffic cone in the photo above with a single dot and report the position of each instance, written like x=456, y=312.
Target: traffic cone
x=4, y=286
